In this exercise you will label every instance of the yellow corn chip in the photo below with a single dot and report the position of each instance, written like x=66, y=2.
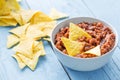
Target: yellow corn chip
x=3, y=24
x=26, y=15
x=39, y=49
x=11, y=22
x=7, y=21
x=72, y=47
x=41, y=52
x=35, y=44
x=96, y=51
x=31, y=63
x=17, y=17
x=34, y=33
x=12, y=40
x=47, y=27
x=54, y=14
x=20, y=62
x=47, y=39
x=25, y=47
x=76, y=32
x=40, y=17
x=4, y=10
x=2, y=3
x=23, y=60
x=20, y=31
x=12, y=5
x=42, y=29
x=6, y=17
x=6, y=6
x=23, y=16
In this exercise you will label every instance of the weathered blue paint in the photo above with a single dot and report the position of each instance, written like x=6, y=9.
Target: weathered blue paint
x=49, y=68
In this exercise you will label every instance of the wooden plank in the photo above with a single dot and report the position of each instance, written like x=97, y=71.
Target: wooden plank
x=3, y=52
x=67, y=7
x=111, y=14
x=2, y=72
x=91, y=75
x=106, y=10
x=73, y=9
x=48, y=67
x=113, y=68
x=116, y=58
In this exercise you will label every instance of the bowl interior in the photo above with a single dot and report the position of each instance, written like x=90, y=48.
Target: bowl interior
x=78, y=20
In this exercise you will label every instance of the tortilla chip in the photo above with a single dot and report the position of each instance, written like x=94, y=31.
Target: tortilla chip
x=3, y=24
x=40, y=17
x=31, y=63
x=6, y=17
x=73, y=47
x=11, y=22
x=17, y=17
x=25, y=47
x=39, y=49
x=13, y=5
x=96, y=51
x=76, y=32
x=47, y=39
x=23, y=16
x=47, y=27
x=4, y=10
x=2, y=3
x=23, y=60
x=35, y=44
x=20, y=31
x=34, y=33
x=27, y=15
x=6, y=6
x=12, y=40
x=54, y=14
x=7, y=21
x=19, y=60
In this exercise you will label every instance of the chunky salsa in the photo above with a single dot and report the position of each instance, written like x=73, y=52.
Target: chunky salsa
x=101, y=35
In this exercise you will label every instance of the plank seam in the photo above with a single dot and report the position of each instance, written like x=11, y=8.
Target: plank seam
x=27, y=4
x=3, y=74
x=106, y=74
x=95, y=16
x=109, y=67
x=92, y=12
x=88, y=8
x=61, y=63
x=115, y=64
x=66, y=71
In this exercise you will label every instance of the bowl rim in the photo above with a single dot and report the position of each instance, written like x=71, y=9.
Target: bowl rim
x=101, y=20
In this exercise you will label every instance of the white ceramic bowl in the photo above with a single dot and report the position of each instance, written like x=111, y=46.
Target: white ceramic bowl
x=82, y=64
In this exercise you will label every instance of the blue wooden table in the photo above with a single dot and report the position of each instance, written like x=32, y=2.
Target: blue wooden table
x=49, y=68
